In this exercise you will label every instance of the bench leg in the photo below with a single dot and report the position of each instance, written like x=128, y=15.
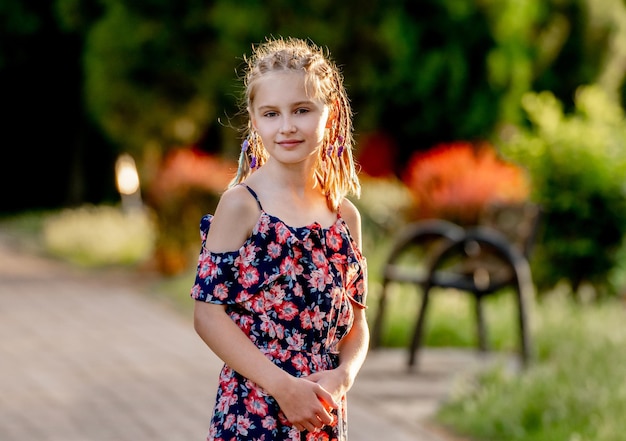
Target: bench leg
x=377, y=327
x=523, y=291
x=419, y=327
x=481, y=327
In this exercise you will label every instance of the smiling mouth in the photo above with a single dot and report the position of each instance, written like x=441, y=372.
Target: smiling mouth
x=289, y=143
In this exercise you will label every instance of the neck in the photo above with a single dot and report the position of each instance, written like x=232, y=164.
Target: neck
x=297, y=177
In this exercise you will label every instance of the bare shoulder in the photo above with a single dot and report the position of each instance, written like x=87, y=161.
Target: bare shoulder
x=351, y=215
x=238, y=201
x=350, y=212
x=235, y=217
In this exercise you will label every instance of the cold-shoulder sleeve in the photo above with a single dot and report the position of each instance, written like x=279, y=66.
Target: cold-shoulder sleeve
x=227, y=277
x=354, y=264
x=356, y=277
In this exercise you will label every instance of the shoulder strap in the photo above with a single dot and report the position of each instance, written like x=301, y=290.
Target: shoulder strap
x=254, y=195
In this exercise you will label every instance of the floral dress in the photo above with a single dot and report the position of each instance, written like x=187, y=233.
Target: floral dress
x=292, y=292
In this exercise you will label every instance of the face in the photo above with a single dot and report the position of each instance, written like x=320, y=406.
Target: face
x=290, y=123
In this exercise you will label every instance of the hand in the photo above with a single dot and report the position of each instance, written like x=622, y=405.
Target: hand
x=332, y=381
x=305, y=403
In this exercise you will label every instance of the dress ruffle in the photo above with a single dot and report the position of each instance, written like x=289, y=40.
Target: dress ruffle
x=230, y=278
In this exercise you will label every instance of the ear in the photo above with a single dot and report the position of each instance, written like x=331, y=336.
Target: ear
x=251, y=117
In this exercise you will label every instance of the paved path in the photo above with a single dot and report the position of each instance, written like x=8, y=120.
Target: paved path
x=93, y=357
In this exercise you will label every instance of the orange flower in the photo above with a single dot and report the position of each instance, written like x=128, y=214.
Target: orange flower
x=456, y=181
x=188, y=169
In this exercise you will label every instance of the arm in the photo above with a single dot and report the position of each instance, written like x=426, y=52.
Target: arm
x=234, y=219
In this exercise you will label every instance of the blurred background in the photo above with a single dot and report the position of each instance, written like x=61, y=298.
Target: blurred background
x=540, y=84
x=121, y=127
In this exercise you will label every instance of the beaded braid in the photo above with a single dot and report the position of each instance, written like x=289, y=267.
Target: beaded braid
x=335, y=170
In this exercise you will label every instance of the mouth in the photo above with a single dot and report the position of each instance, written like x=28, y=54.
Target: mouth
x=289, y=143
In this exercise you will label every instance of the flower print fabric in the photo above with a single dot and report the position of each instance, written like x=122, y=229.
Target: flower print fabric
x=292, y=292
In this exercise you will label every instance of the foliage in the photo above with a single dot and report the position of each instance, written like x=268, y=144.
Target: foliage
x=577, y=163
x=573, y=391
x=162, y=73
x=606, y=28
x=100, y=235
x=144, y=82
x=186, y=185
x=157, y=74
x=457, y=181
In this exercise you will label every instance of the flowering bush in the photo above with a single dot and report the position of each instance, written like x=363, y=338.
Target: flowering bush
x=457, y=181
x=187, y=169
x=377, y=155
x=186, y=186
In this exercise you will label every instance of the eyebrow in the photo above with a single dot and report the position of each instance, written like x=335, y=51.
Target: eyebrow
x=296, y=104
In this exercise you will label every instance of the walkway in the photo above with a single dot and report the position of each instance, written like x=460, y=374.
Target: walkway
x=92, y=357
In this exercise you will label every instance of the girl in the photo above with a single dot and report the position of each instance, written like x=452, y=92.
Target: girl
x=281, y=281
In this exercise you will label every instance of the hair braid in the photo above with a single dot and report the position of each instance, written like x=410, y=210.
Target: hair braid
x=335, y=170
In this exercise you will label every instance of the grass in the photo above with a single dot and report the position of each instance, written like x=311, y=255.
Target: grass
x=99, y=235
x=87, y=236
x=572, y=391
x=450, y=321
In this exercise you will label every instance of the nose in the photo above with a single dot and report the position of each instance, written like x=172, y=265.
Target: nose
x=287, y=125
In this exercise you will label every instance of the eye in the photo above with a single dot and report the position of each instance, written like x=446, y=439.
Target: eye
x=301, y=110
x=270, y=114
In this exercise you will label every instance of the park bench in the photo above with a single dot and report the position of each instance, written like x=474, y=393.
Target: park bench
x=479, y=260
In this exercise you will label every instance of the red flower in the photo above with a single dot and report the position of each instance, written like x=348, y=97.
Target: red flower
x=184, y=169
x=377, y=155
x=256, y=403
x=208, y=267
x=282, y=232
x=333, y=240
x=456, y=181
x=220, y=291
x=274, y=250
x=288, y=311
x=248, y=276
x=301, y=363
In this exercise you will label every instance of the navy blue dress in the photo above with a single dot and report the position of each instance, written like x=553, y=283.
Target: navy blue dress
x=292, y=292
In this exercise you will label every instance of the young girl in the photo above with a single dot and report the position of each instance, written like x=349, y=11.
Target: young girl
x=281, y=281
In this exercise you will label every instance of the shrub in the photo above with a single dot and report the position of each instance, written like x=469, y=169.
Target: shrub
x=457, y=181
x=186, y=186
x=577, y=164
x=99, y=235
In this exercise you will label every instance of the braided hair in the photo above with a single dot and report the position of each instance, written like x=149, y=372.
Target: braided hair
x=335, y=170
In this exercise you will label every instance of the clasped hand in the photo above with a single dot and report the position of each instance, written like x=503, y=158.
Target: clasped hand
x=306, y=403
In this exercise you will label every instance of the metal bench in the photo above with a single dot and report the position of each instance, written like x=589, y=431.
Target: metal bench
x=479, y=260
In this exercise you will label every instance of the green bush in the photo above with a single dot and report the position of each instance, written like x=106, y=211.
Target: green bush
x=577, y=164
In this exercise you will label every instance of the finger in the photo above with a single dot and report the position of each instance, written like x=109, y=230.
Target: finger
x=326, y=417
x=308, y=426
x=326, y=398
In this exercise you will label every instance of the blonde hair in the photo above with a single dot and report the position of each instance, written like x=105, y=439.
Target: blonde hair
x=335, y=170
